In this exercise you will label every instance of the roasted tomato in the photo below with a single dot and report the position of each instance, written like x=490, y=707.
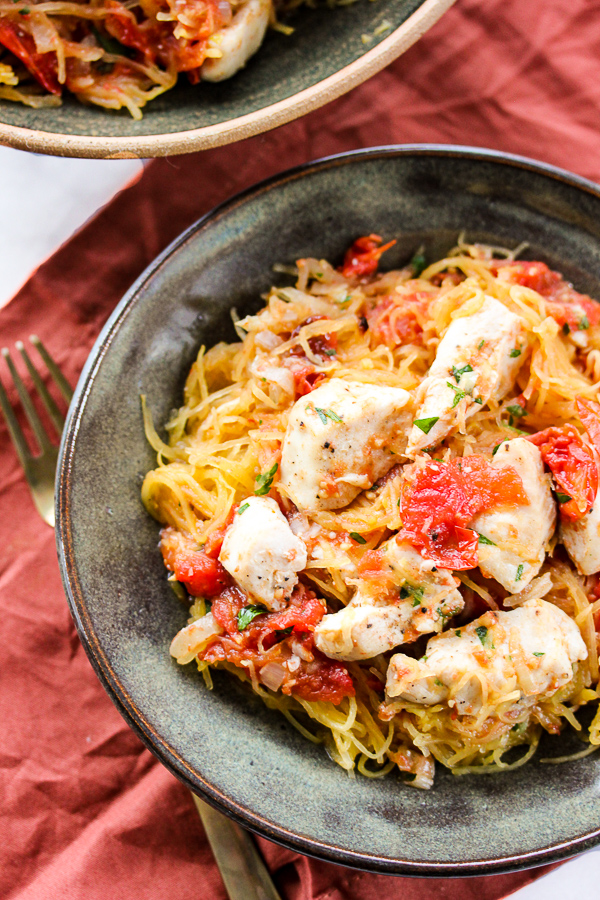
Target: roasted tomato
x=395, y=319
x=363, y=256
x=278, y=645
x=43, y=66
x=322, y=344
x=567, y=306
x=574, y=466
x=441, y=499
x=198, y=569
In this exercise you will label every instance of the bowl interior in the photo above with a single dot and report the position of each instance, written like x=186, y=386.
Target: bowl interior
x=324, y=41
x=225, y=743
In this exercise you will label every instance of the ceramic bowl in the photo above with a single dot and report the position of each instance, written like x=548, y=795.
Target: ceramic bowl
x=289, y=76
x=224, y=744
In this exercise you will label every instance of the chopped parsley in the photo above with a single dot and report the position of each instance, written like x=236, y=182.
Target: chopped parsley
x=438, y=682
x=325, y=414
x=519, y=574
x=458, y=632
x=426, y=424
x=458, y=372
x=562, y=498
x=538, y=653
x=265, y=480
x=484, y=540
x=458, y=394
x=357, y=537
x=584, y=323
x=247, y=614
x=566, y=328
x=514, y=353
x=516, y=410
x=481, y=632
x=243, y=508
x=419, y=262
x=480, y=344
x=283, y=632
x=479, y=400
x=496, y=448
x=331, y=352
x=408, y=590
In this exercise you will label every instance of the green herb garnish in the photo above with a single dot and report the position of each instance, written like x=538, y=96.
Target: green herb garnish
x=484, y=540
x=419, y=262
x=516, y=410
x=538, y=653
x=265, y=481
x=458, y=372
x=325, y=414
x=480, y=344
x=562, y=498
x=110, y=44
x=247, y=614
x=357, y=537
x=243, y=508
x=457, y=632
x=331, y=352
x=584, y=323
x=514, y=353
x=458, y=394
x=519, y=574
x=481, y=632
x=283, y=632
x=426, y=424
x=495, y=450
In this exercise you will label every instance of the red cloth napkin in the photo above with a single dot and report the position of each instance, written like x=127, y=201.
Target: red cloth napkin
x=87, y=813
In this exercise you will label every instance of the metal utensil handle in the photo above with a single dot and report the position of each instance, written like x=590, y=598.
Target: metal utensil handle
x=244, y=874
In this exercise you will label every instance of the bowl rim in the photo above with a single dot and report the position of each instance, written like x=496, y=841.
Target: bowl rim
x=329, y=852
x=261, y=120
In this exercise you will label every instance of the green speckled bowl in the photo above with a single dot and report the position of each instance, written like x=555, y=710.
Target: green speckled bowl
x=288, y=77
x=225, y=745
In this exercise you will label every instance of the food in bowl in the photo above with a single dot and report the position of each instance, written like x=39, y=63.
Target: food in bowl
x=122, y=55
x=381, y=504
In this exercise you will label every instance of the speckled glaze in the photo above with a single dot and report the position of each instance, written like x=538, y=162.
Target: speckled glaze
x=225, y=744
x=289, y=76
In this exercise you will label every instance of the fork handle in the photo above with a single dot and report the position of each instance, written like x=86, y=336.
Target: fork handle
x=244, y=874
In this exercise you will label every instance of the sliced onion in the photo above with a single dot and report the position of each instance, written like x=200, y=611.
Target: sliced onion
x=191, y=639
x=272, y=675
x=267, y=340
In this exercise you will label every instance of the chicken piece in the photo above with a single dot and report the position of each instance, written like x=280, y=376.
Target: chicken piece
x=411, y=597
x=582, y=540
x=238, y=41
x=477, y=359
x=261, y=552
x=339, y=441
x=520, y=535
x=522, y=656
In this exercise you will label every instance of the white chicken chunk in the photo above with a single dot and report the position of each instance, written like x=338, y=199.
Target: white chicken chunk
x=238, y=41
x=339, y=441
x=517, y=657
x=412, y=597
x=261, y=552
x=520, y=535
x=478, y=358
x=582, y=540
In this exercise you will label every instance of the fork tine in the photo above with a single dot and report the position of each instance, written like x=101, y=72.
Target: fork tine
x=61, y=382
x=42, y=390
x=14, y=429
x=30, y=410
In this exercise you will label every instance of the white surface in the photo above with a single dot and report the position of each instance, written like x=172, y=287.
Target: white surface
x=44, y=200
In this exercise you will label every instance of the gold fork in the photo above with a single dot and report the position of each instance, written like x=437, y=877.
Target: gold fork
x=241, y=866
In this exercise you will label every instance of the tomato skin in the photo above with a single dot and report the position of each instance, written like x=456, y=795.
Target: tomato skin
x=362, y=258
x=201, y=575
x=43, y=66
x=448, y=496
x=306, y=379
x=319, y=344
x=574, y=466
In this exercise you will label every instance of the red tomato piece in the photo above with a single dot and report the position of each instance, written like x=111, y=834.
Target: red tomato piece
x=201, y=573
x=43, y=66
x=566, y=305
x=574, y=467
x=442, y=498
x=394, y=320
x=321, y=344
x=306, y=379
x=363, y=256
x=272, y=637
